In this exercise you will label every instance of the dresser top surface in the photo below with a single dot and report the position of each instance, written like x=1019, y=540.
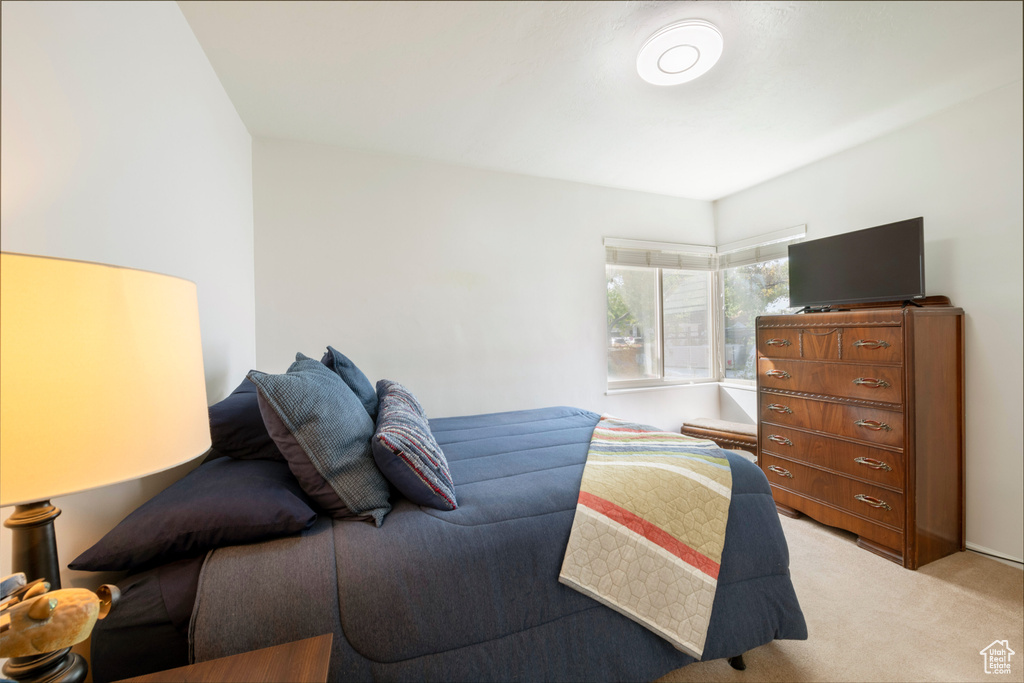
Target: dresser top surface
x=853, y=318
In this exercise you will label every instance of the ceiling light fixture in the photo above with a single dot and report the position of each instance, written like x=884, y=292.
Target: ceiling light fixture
x=680, y=52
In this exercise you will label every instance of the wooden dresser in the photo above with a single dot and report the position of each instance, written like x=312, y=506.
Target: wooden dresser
x=861, y=424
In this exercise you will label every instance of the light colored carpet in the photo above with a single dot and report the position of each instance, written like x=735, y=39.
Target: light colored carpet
x=869, y=619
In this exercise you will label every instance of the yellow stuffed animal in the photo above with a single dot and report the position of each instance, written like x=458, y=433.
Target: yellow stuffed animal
x=35, y=620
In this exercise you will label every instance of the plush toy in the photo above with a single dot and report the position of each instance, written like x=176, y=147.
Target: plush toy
x=35, y=620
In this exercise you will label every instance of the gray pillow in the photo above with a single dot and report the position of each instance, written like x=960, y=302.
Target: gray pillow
x=324, y=433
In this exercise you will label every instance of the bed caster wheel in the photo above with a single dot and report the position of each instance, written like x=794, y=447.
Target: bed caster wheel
x=738, y=663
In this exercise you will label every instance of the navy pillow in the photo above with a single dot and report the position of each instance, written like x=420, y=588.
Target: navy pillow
x=354, y=378
x=222, y=502
x=324, y=433
x=407, y=453
x=237, y=429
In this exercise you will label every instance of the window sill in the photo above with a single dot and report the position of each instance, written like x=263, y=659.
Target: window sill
x=726, y=384
x=663, y=387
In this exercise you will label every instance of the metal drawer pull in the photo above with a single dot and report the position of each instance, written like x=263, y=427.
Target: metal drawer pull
x=781, y=374
x=872, y=382
x=873, y=425
x=778, y=342
x=873, y=502
x=873, y=464
x=780, y=439
x=781, y=471
x=779, y=408
x=872, y=343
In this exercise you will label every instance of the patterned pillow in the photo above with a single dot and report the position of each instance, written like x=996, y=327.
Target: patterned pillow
x=406, y=452
x=324, y=433
x=354, y=378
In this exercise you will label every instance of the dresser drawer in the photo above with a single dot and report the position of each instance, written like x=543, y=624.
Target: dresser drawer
x=870, y=344
x=842, y=419
x=779, y=342
x=796, y=342
x=833, y=516
x=863, y=500
x=845, y=380
x=864, y=462
x=873, y=344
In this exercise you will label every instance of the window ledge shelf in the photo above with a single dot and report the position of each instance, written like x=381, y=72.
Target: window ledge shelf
x=737, y=385
x=633, y=390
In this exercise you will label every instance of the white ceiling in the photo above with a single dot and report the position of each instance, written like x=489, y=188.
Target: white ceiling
x=550, y=88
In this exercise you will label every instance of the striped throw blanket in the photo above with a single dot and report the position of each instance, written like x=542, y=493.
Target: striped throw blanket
x=649, y=528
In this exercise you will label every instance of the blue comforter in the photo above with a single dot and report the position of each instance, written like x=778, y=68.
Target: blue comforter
x=473, y=594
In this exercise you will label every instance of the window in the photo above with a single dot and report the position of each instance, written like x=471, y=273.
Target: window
x=632, y=323
x=747, y=292
x=660, y=321
x=680, y=313
x=754, y=280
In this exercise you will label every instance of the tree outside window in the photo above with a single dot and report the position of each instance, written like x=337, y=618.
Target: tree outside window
x=632, y=323
x=749, y=291
x=660, y=321
x=658, y=324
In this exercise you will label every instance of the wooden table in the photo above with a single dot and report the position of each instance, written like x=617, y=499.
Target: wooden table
x=303, y=661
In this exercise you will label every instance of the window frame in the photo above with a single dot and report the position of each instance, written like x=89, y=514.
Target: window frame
x=661, y=381
x=733, y=381
x=658, y=256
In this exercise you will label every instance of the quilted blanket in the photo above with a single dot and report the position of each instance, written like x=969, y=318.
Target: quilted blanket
x=649, y=528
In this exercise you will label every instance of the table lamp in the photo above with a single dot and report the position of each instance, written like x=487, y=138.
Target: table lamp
x=101, y=382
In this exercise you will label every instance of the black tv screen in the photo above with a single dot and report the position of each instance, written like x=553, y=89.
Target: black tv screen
x=885, y=263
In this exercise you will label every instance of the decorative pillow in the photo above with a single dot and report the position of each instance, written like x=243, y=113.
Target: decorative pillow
x=354, y=378
x=237, y=429
x=324, y=433
x=222, y=502
x=407, y=453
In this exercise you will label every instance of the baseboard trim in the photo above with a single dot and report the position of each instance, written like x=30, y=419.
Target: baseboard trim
x=996, y=554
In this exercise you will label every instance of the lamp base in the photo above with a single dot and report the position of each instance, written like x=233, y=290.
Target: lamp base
x=62, y=666
x=34, y=552
x=34, y=543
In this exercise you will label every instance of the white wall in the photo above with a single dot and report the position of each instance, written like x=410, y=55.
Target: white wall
x=481, y=291
x=738, y=403
x=962, y=171
x=119, y=145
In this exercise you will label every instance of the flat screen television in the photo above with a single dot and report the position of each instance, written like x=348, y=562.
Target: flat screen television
x=885, y=263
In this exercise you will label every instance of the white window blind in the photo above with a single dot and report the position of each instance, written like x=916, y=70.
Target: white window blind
x=658, y=255
x=622, y=252
x=745, y=257
x=759, y=249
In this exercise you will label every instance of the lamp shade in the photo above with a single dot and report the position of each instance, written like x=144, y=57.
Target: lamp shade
x=101, y=376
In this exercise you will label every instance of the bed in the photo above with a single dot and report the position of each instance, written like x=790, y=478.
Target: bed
x=465, y=594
